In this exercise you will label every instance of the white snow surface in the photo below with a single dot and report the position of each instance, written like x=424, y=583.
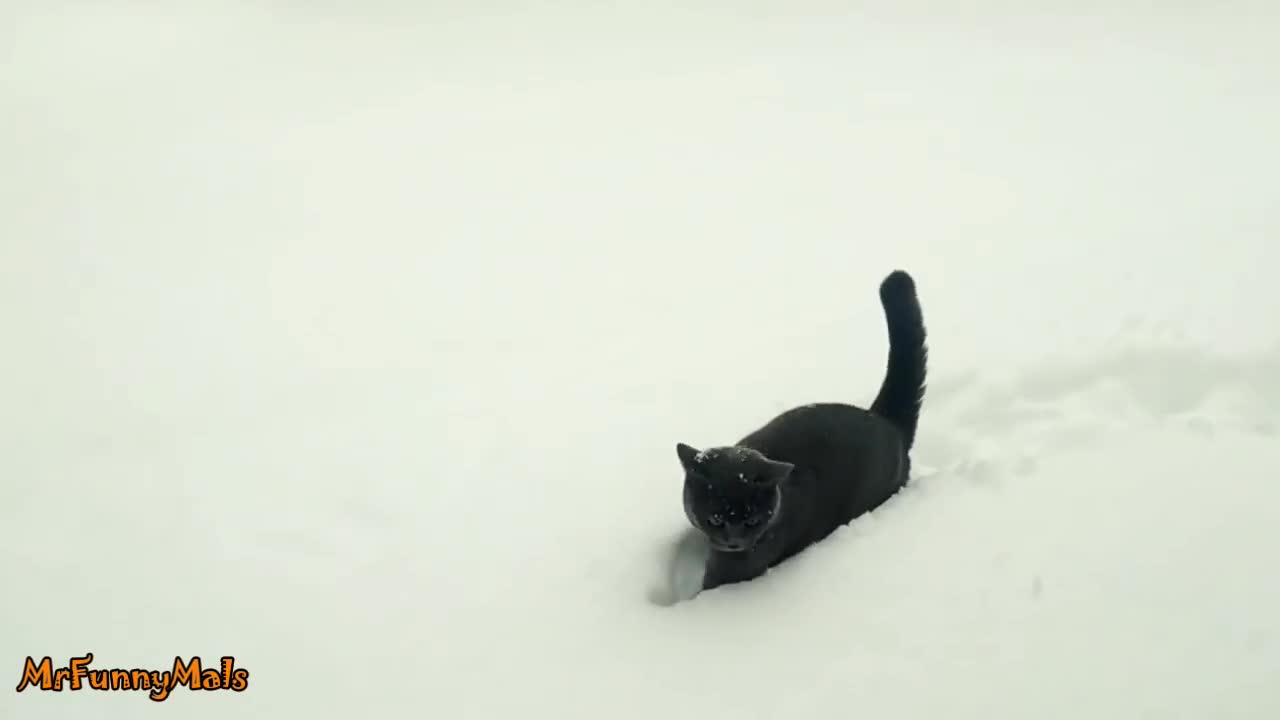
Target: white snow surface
x=354, y=340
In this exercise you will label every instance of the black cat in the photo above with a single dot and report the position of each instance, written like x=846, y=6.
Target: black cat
x=812, y=469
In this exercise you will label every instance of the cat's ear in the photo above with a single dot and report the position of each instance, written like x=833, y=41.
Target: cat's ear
x=688, y=456
x=774, y=472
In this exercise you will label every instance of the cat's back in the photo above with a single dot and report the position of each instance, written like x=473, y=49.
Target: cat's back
x=809, y=428
x=848, y=459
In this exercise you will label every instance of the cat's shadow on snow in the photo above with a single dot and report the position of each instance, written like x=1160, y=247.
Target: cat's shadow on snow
x=682, y=566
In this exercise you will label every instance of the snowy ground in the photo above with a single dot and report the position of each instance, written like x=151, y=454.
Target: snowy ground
x=354, y=341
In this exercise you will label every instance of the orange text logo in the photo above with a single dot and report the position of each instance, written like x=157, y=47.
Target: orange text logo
x=157, y=683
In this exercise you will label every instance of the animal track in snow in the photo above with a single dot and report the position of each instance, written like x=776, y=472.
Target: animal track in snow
x=681, y=569
x=989, y=432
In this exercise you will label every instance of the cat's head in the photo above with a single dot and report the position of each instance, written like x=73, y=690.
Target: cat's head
x=731, y=494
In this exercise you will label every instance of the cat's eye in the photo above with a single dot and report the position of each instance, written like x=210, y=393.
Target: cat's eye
x=716, y=520
x=753, y=521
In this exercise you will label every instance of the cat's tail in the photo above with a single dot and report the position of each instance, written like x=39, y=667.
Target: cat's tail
x=902, y=392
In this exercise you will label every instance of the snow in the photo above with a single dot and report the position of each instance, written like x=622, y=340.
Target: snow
x=355, y=341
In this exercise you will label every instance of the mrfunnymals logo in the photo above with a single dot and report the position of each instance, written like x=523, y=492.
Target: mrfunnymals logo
x=158, y=684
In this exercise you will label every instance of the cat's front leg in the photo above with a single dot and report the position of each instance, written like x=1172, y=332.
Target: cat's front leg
x=724, y=568
x=712, y=579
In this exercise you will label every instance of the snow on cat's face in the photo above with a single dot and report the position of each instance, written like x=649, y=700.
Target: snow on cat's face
x=731, y=494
